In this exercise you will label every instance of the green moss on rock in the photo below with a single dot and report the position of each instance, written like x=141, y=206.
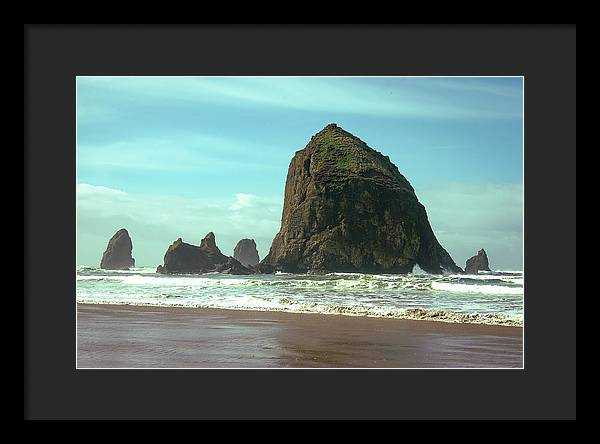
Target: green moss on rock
x=348, y=208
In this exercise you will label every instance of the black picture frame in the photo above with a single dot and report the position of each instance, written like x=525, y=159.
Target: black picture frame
x=544, y=55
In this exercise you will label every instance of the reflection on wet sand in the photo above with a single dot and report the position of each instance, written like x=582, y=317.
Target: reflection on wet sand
x=150, y=337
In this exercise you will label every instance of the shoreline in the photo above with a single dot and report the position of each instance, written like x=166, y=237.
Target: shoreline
x=136, y=336
x=431, y=314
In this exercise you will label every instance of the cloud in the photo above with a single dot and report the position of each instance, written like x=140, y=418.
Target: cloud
x=407, y=97
x=243, y=201
x=185, y=153
x=513, y=87
x=85, y=191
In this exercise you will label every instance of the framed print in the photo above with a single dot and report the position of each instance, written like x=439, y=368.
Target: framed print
x=288, y=228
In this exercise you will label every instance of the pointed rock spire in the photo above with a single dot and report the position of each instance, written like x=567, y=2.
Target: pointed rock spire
x=245, y=251
x=117, y=255
x=478, y=262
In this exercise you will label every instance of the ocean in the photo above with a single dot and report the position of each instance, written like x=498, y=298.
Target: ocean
x=494, y=298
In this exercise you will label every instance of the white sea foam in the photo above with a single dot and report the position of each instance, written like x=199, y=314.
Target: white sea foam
x=491, y=299
x=92, y=278
x=418, y=270
x=139, y=270
x=254, y=304
x=467, y=288
x=488, y=277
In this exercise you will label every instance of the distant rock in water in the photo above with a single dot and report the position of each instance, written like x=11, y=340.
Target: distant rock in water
x=186, y=258
x=245, y=251
x=117, y=255
x=233, y=266
x=478, y=262
x=347, y=208
x=182, y=257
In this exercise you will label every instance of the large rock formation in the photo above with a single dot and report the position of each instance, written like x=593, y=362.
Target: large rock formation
x=477, y=262
x=117, y=255
x=245, y=251
x=186, y=258
x=348, y=208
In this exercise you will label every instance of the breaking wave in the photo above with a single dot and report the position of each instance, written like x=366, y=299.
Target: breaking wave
x=470, y=288
x=491, y=298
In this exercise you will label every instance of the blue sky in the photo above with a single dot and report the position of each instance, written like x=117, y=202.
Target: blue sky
x=170, y=157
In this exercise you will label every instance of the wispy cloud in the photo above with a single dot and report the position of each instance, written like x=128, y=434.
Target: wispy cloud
x=445, y=147
x=346, y=95
x=184, y=152
x=479, y=85
x=243, y=201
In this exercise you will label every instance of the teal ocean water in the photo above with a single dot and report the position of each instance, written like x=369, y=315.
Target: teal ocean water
x=491, y=298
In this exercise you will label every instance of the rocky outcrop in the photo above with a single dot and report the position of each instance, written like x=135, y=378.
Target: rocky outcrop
x=117, y=255
x=208, y=246
x=233, y=266
x=184, y=258
x=264, y=268
x=347, y=208
x=245, y=251
x=477, y=263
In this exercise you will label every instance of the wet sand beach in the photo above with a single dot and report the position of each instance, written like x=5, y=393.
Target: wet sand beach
x=121, y=336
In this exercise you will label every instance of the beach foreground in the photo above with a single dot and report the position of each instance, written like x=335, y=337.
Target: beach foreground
x=123, y=336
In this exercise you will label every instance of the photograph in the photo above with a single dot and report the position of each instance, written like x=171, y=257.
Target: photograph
x=299, y=222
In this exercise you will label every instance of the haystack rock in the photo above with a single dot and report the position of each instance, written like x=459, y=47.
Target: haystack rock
x=245, y=251
x=477, y=263
x=347, y=208
x=186, y=258
x=117, y=255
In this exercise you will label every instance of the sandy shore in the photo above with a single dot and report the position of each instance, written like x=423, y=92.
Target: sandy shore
x=117, y=336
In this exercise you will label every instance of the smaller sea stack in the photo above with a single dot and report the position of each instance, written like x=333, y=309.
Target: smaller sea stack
x=246, y=253
x=117, y=255
x=185, y=258
x=477, y=263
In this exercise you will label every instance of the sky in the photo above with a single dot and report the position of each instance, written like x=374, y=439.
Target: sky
x=170, y=157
